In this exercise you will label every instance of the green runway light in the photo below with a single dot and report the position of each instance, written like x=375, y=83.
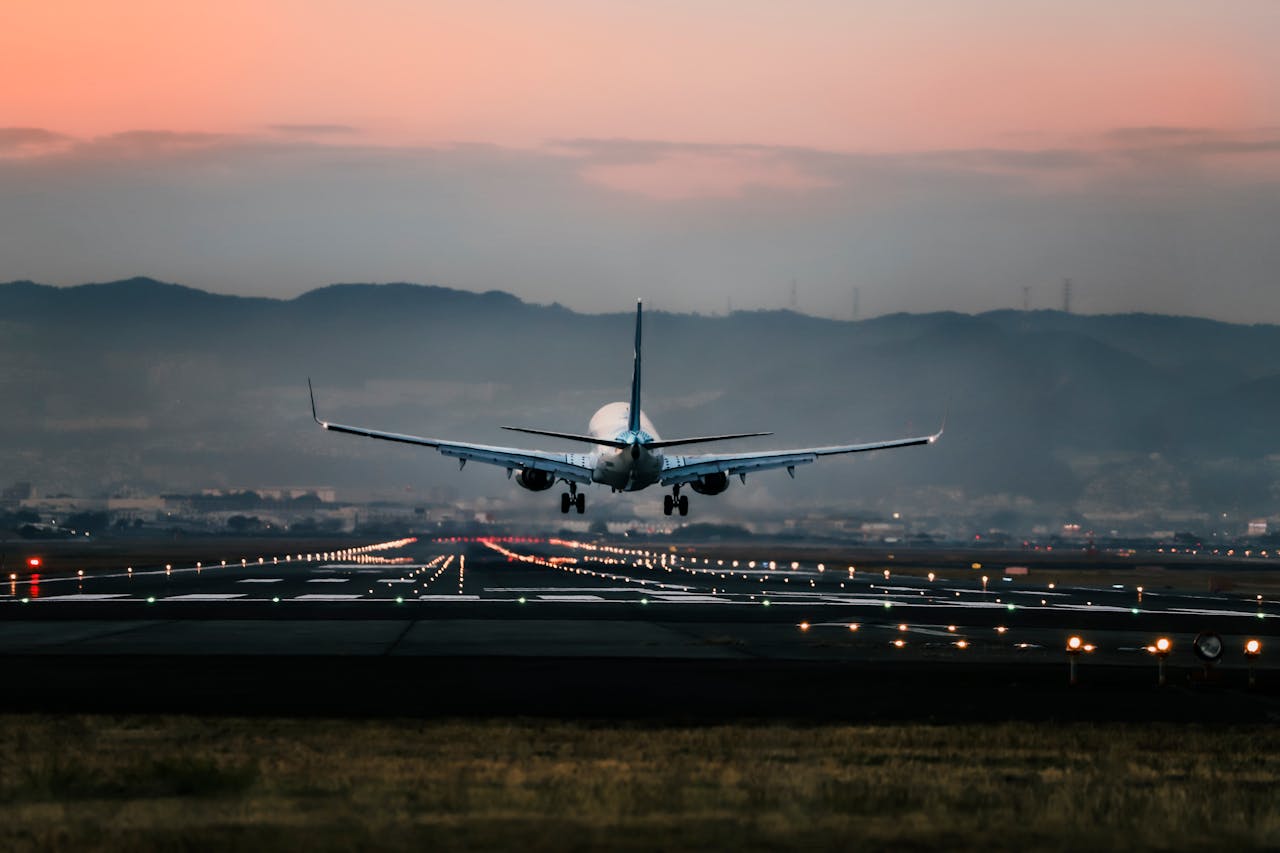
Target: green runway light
x=766, y=602
x=1010, y=607
x=276, y=599
x=399, y=600
x=522, y=599
x=151, y=599
x=888, y=604
x=1133, y=610
x=644, y=601
x=26, y=601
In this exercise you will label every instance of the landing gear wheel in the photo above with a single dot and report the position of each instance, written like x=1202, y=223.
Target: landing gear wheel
x=684, y=504
x=668, y=504
x=581, y=502
x=564, y=502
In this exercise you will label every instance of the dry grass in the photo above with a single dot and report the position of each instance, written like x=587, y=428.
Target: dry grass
x=143, y=783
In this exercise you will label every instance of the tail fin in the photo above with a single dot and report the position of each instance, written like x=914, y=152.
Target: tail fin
x=633, y=423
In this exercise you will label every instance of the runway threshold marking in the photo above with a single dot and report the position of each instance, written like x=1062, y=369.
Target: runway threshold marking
x=84, y=596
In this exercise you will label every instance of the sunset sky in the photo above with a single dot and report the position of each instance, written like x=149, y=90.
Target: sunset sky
x=937, y=155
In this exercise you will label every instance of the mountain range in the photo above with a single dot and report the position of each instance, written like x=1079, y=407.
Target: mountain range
x=142, y=386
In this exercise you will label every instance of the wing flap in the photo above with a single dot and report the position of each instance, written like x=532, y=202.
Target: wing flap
x=686, y=469
x=575, y=467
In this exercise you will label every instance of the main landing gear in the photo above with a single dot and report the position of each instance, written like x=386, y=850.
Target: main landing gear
x=674, y=501
x=571, y=498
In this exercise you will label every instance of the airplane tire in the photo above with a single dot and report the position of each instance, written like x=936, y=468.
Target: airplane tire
x=564, y=502
x=668, y=504
x=684, y=504
x=581, y=502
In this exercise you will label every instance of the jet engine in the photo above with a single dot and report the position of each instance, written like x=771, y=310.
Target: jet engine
x=711, y=484
x=535, y=480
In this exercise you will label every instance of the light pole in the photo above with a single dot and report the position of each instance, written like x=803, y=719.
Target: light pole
x=1161, y=650
x=1252, y=648
x=1074, y=646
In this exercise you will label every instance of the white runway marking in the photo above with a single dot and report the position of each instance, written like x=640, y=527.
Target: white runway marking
x=572, y=597
x=1210, y=612
x=560, y=589
x=397, y=580
x=325, y=598
x=261, y=580
x=448, y=598
x=205, y=596
x=97, y=596
x=689, y=598
x=329, y=580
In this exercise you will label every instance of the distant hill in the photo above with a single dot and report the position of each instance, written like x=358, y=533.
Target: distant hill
x=149, y=385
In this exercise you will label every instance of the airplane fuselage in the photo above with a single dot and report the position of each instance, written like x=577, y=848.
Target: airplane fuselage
x=627, y=469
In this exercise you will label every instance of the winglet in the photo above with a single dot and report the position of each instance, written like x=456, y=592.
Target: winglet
x=314, y=416
x=941, y=428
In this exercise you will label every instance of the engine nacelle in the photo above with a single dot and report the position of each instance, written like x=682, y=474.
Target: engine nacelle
x=535, y=480
x=711, y=484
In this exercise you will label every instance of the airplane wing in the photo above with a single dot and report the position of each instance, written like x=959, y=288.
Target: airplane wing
x=686, y=469
x=575, y=467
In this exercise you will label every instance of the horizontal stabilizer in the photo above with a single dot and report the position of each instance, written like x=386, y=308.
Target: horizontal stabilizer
x=702, y=439
x=570, y=436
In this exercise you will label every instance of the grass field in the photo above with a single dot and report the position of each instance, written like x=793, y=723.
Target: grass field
x=187, y=783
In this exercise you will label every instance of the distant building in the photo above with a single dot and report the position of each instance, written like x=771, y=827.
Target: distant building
x=1258, y=527
x=20, y=491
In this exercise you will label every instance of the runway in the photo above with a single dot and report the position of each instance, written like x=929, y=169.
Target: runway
x=583, y=613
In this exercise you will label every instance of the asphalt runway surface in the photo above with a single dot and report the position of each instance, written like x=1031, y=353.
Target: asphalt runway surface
x=610, y=628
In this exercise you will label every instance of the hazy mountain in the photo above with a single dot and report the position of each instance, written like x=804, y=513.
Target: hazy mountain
x=140, y=384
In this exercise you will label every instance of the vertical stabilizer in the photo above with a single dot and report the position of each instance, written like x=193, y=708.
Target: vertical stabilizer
x=633, y=417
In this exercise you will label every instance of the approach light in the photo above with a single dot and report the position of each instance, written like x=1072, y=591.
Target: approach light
x=1163, y=645
x=1207, y=646
x=899, y=643
x=962, y=644
x=1253, y=648
x=951, y=628
x=853, y=626
x=804, y=626
x=1074, y=644
x=902, y=627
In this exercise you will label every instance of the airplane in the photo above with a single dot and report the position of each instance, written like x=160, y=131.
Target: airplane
x=627, y=453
